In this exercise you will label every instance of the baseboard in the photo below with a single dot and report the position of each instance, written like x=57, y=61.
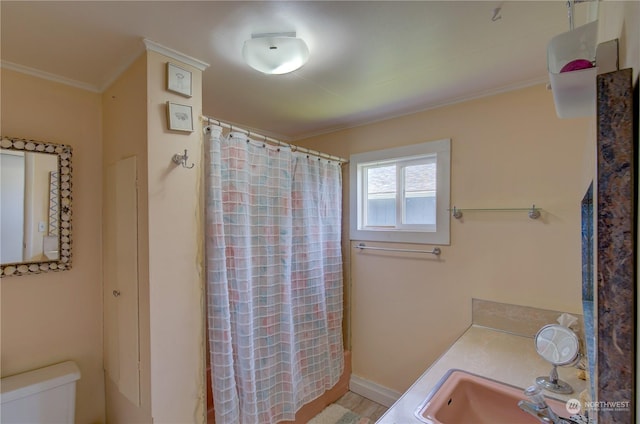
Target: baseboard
x=372, y=391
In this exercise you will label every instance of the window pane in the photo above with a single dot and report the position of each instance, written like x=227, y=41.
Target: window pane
x=420, y=178
x=420, y=210
x=381, y=212
x=381, y=196
x=420, y=194
x=382, y=180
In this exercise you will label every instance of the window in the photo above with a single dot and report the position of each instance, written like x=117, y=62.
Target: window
x=401, y=194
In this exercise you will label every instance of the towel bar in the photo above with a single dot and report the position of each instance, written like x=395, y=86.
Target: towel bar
x=436, y=250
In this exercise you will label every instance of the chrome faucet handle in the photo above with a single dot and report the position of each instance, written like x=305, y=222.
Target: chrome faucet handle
x=534, y=393
x=538, y=407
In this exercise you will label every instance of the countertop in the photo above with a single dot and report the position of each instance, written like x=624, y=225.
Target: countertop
x=487, y=352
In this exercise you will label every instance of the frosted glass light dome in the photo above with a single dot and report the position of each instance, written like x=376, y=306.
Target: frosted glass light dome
x=275, y=53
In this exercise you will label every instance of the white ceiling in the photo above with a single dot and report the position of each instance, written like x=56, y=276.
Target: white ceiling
x=370, y=60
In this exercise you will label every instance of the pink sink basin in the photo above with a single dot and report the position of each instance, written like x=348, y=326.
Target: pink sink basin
x=464, y=398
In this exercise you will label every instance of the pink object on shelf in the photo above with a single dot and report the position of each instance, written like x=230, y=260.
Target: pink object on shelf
x=576, y=65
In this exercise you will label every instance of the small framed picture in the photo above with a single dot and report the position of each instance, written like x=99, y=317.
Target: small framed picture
x=179, y=117
x=178, y=80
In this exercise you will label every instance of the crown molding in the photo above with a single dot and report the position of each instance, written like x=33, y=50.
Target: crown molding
x=174, y=54
x=149, y=46
x=49, y=76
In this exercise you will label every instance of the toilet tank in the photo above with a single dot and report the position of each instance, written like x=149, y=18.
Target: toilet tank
x=46, y=395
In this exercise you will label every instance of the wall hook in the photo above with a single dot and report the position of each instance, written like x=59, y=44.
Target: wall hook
x=179, y=159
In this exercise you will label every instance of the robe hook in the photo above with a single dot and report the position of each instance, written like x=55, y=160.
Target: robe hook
x=179, y=159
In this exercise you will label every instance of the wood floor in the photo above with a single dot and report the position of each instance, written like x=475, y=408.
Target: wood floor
x=362, y=406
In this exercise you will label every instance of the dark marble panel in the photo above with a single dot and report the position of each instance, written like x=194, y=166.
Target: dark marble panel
x=616, y=217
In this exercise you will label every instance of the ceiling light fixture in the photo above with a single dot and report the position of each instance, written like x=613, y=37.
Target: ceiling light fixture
x=277, y=53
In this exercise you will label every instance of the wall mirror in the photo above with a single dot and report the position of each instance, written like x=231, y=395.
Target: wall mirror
x=35, y=207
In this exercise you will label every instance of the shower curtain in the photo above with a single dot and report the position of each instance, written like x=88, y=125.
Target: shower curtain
x=274, y=278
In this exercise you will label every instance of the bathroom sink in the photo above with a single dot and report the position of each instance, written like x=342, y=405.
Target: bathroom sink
x=461, y=397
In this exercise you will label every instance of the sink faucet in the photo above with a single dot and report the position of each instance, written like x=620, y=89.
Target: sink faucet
x=538, y=407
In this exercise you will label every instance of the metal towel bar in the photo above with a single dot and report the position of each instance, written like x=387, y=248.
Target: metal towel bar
x=436, y=250
x=534, y=213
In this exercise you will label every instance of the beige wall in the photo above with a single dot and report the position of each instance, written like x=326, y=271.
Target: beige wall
x=621, y=20
x=176, y=288
x=170, y=232
x=508, y=150
x=124, y=106
x=57, y=316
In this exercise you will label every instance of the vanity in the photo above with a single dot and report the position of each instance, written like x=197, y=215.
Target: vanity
x=497, y=346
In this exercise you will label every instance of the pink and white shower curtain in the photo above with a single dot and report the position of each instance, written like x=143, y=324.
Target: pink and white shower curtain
x=274, y=278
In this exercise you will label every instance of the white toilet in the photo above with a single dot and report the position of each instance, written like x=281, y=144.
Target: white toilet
x=46, y=395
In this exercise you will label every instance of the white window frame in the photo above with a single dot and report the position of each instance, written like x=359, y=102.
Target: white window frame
x=441, y=150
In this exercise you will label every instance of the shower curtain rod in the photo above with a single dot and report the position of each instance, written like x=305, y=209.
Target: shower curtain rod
x=270, y=140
